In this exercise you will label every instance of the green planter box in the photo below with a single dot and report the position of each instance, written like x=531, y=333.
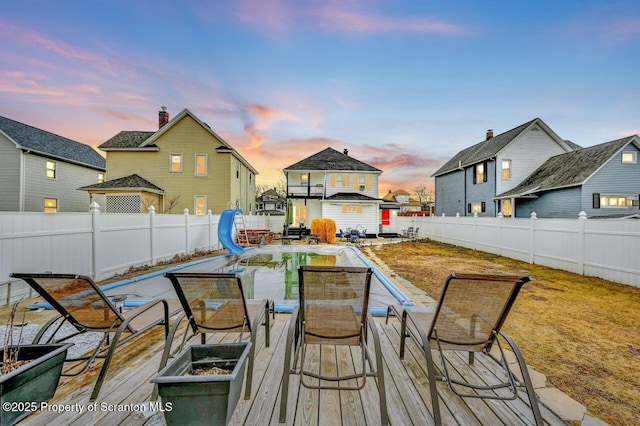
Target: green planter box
x=198, y=400
x=34, y=382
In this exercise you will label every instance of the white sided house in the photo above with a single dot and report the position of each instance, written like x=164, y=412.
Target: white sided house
x=469, y=182
x=41, y=171
x=332, y=185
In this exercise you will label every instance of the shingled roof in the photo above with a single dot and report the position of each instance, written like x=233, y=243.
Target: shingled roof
x=46, y=143
x=126, y=139
x=131, y=182
x=330, y=159
x=568, y=169
x=490, y=147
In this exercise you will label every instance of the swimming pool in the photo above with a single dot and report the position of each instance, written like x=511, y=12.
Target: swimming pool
x=268, y=272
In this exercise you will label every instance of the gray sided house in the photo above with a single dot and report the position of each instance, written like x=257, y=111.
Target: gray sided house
x=334, y=185
x=469, y=182
x=41, y=171
x=602, y=180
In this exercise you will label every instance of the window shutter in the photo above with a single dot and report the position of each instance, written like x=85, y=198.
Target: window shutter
x=475, y=174
x=345, y=183
x=333, y=181
x=469, y=208
x=367, y=182
x=483, y=207
x=596, y=200
x=356, y=182
x=484, y=175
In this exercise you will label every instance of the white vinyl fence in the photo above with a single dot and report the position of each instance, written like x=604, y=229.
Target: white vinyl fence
x=102, y=245
x=604, y=248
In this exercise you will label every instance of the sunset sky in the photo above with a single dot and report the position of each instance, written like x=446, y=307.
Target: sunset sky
x=403, y=85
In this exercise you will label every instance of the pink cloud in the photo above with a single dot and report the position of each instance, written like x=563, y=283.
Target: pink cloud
x=265, y=111
x=280, y=16
x=337, y=18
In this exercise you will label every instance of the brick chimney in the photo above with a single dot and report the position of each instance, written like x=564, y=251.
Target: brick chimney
x=163, y=117
x=345, y=151
x=489, y=134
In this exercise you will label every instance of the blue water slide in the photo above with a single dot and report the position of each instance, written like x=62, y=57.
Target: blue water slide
x=225, y=231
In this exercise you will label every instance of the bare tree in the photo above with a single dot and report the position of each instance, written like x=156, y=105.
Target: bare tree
x=172, y=202
x=280, y=186
x=424, y=194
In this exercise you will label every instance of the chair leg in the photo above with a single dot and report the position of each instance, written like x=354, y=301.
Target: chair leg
x=286, y=371
x=431, y=370
x=167, y=351
x=384, y=415
x=107, y=361
x=252, y=356
x=533, y=399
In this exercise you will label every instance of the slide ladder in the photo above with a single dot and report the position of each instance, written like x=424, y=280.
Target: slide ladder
x=225, y=231
x=241, y=229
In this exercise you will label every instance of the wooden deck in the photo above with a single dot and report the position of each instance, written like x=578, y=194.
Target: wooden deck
x=408, y=400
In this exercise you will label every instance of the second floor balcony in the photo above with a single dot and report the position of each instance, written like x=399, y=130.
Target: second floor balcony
x=312, y=191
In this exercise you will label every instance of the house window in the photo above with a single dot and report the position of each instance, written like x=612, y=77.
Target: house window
x=100, y=177
x=250, y=179
x=200, y=204
x=238, y=170
x=351, y=209
x=50, y=205
x=480, y=173
x=618, y=201
x=629, y=157
x=51, y=169
x=201, y=164
x=339, y=180
x=362, y=182
x=506, y=169
x=304, y=179
x=507, y=208
x=476, y=207
x=175, y=163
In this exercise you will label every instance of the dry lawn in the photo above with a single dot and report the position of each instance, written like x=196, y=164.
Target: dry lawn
x=583, y=333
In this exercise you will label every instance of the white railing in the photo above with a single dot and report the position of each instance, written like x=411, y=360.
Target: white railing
x=604, y=248
x=102, y=244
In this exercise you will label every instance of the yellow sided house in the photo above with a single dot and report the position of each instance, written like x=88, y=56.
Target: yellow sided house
x=182, y=165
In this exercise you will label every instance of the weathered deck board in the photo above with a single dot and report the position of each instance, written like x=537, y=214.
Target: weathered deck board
x=407, y=390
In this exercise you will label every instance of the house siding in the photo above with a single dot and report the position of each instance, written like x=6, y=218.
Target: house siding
x=613, y=178
x=481, y=192
x=450, y=194
x=527, y=152
x=561, y=203
x=187, y=137
x=9, y=175
x=69, y=177
x=367, y=219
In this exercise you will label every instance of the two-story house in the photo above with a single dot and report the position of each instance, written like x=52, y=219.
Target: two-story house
x=333, y=185
x=601, y=180
x=182, y=165
x=40, y=171
x=469, y=182
x=271, y=203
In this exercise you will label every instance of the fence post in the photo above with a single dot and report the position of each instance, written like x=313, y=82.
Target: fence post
x=96, y=264
x=209, y=229
x=532, y=257
x=186, y=231
x=442, y=229
x=152, y=234
x=582, y=218
x=475, y=230
x=500, y=216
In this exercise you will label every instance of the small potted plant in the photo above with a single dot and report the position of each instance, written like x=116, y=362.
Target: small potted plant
x=29, y=375
x=202, y=384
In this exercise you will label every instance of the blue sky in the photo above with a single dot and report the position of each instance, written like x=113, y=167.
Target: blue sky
x=403, y=85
